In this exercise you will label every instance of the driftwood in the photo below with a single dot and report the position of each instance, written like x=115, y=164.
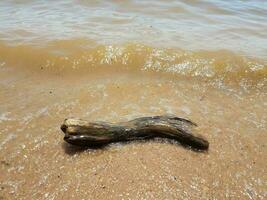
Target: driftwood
x=84, y=133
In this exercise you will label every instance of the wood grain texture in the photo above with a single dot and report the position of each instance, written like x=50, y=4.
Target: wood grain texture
x=84, y=133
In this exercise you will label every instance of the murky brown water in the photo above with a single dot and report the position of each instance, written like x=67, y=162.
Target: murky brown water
x=117, y=60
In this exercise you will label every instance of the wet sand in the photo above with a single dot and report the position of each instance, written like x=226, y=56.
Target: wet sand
x=37, y=164
x=118, y=60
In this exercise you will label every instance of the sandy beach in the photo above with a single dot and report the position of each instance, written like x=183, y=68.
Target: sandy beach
x=46, y=77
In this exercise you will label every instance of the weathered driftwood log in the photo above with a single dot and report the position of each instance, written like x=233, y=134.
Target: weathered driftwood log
x=84, y=133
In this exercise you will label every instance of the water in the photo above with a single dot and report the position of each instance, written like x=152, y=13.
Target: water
x=116, y=60
x=239, y=26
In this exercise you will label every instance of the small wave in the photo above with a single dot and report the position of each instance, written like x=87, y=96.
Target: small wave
x=80, y=55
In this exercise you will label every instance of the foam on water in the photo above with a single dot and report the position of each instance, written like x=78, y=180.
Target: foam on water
x=219, y=67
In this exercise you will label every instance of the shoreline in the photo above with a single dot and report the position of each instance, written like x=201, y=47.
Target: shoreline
x=33, y=154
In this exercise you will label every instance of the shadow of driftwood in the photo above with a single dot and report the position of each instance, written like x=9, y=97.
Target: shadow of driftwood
x=73, y=149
